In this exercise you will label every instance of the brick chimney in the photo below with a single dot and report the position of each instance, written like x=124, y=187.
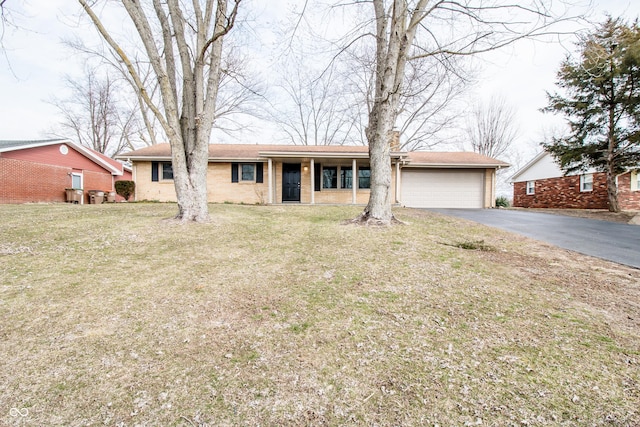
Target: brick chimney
x=394, y=140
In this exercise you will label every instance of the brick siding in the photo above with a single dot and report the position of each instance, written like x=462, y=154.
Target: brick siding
x=628, y=200
x=220, y=189
x=564, y=193
x=28, y=182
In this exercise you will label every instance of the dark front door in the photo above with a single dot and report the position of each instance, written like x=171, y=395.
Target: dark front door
x=291, y=182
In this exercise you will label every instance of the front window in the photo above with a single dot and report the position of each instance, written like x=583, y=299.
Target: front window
x=586, y=182
x=346, y=178
x=330, y=177
x=531, y=187
x=364, y=177
x=248, y=172
x=167, y=171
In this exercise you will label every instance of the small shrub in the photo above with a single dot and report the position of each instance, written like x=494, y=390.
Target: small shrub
x=125, y=188
x=502, y=202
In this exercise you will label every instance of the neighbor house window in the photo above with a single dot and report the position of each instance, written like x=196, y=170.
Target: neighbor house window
x=330, y=177
x=346, y=178
x=635, y=181
x=76, y=180
x=364, y=177
x=167, y=170
x=531, y=187
x=586, y=182
x=248, y=172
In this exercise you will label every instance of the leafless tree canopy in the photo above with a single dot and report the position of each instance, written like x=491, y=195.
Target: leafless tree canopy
x=183, y=43
x=491, y=128
x=96, y=115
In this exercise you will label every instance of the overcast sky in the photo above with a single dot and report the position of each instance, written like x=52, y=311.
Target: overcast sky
x=34, y=62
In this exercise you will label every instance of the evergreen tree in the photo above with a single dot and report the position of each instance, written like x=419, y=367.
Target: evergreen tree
x=601, y=101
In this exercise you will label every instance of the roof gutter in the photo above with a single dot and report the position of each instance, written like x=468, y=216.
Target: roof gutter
x=455, y=166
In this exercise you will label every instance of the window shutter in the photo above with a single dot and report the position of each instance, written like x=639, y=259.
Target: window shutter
x=234, y=172
x=154, y=171
x=259, y=174
x=317, y=176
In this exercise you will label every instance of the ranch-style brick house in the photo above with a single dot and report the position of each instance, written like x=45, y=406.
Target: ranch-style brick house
x=278, y=174
x=542, y=184
x=36, y=171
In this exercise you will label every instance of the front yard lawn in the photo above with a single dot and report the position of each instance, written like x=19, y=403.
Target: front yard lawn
x=282, y=316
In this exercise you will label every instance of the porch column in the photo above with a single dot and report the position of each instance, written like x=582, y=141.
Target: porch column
x=312, y=170
x=270, y=181
x=398, y=182
x=354, y=177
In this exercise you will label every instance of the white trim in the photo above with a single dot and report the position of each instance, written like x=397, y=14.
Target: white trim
x=528, y=165
x=398, y=191
x=270, y=181
x=354, y=182
x=81, y=175
x=583, y=181
x=533, y=189
x=312, y=169
x=134, y=177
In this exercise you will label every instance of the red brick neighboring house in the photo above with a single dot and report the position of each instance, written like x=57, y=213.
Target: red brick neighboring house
x=541, y=184
x=41, y=170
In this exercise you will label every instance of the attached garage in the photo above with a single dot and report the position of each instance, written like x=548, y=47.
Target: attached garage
x=443, y=188
x=448, y=180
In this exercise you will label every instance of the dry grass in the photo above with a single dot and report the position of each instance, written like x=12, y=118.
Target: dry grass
x=279, y=316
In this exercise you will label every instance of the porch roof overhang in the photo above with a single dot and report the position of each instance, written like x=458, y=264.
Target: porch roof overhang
x=306, y=155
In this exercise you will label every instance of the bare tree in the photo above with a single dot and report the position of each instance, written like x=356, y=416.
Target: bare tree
x=408, y=30
x=239, y=92
x=96, y=116
x=491, y=129
x=319, y=114
x=184, y=47
x=425, y=107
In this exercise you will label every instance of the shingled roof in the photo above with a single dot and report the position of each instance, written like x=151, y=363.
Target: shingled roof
x=246, y=151
x=113, y=166
x=239, y=152
x=453, y=159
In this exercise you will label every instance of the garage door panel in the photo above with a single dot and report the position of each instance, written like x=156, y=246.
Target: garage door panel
x=443, y=188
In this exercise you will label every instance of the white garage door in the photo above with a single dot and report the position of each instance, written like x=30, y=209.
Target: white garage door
x=443, y=188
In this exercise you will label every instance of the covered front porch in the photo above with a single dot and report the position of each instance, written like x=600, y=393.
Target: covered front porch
x=322, y=178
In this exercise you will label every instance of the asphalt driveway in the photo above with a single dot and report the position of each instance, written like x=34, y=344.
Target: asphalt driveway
x=607, y=240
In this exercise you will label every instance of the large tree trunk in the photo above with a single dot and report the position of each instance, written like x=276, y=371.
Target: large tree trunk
x=378, y=209
x=612, y=186
x=612, y=193
x=394, y=35
x=191, y=185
